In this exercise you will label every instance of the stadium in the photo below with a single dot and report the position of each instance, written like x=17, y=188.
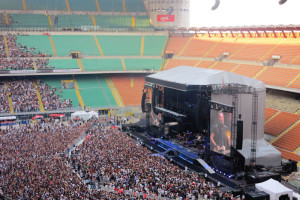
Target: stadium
x=124, y=99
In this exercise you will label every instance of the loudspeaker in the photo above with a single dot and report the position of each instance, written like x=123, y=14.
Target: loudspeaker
x=239, y=135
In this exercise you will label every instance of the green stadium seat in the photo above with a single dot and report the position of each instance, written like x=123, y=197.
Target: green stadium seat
x=73, y=21
x=154, y=45
x=11, y=5
x=45, y=4
x=109, y=21
x=135, y=6
x=63, y=63
x=83, y=5
x=29, y=20
x=142, y=64
x=120, y=45
x=111, y=5
x=41, y=42
x=83, y=43
x=102, y=64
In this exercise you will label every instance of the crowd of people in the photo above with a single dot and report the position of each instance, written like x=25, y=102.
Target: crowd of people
x=4, y=105
x=23, y=95
x=51, y=100
x=113, y=157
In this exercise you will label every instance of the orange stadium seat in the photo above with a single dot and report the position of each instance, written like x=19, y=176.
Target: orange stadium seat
x=278, y=76
x=252, y=52
x=247, y=70
x=296, y=84
x=269, y=112
x=177, y=62
x=280, y=123
x=230, y=47
x=130, y=88
x=205, y=64
x=198, y=47
x=225, y=66
x=289, y=155
x=290, y=140
x=176, y=43
x=287, y=53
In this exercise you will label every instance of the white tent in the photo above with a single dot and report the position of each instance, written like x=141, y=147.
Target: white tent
x=274, y=189
x=84, y=115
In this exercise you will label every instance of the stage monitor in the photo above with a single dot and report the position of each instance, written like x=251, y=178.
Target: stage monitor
x=220, y=131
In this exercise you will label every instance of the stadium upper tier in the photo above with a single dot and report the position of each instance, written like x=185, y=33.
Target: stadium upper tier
x=75, y=5
x=82, y=22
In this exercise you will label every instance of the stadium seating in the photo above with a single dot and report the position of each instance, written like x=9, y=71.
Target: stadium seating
x=65, y=44
x=11, y=5
x=224, y=66
x=289, y=155
x=142, y=64
x=45, y=5
x=120, y=45
x=111, y=5
x=111, y=21
x=252, y=52
x=79, y=5
x=102, y=64
x=290, y=140
x=198, y=47
x=269, y=112
x=178, y=62
x=24, y=21
x=205, y=64
x=41, y=42
x=72, y=21
x=177, y=43
x=280, y=122
x=95, y=91
x=247, y=70
x=63, y=63
x=278, y=76
x=135, y=6
x=130, y=88
x=229, y=45
x=154, y=45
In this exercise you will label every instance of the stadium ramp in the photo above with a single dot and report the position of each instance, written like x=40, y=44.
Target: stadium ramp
x=11, y=107
x=42, y=109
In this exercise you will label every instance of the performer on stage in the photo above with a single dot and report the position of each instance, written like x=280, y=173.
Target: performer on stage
x=220, y=140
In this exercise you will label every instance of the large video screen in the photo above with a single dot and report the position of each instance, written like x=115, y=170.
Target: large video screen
x=220, y=131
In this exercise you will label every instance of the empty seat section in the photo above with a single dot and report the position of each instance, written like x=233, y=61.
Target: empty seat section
x=278, y=76
x=63, y=63
x=120, y=45
x=229, y=46
x=296, y=61
x=142, y=22
x=280, y=123
x=111, y=5
x=135, y=6
x=86, y=5
x=225, y=66
x=67, y=92
x=29, y=20
x=74, y=21
x=102, y=64
x=11, y=5
x=46, y=5
x=205, y=64
x=178, y=62
x=130, y=88
x=247, y=70
x=92, y=91
x=198, y=47
x=79, y=43
x=287, y=53
x=252, y=52
x=291, y=140
x=289, y=155
x=154, y=45
x=296, y=83
x=107, y=91
x=40, y=42
x=269, y=112
x=142, y=64
x=177, y=43
x=109, y=21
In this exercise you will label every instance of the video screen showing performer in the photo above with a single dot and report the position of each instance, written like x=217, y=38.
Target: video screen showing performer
x=154, y=119
x=220, y=132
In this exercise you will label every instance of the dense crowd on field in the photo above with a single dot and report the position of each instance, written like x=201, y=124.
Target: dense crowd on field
x=36, y=165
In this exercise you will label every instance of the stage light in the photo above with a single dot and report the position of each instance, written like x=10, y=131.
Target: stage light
x=217, y=3
x=282, y=2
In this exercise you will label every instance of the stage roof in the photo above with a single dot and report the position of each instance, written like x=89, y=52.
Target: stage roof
x=190, y=78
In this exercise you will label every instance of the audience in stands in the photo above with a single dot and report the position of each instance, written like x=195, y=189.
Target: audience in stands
x=16, y=64
x=4, y=105
x=17, y=50
x=50, y=99
x=23, y=96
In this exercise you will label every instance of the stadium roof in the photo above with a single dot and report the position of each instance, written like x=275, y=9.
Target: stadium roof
x=190, y=78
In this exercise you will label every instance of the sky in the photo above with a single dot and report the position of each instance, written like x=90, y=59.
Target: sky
x=244, y=13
